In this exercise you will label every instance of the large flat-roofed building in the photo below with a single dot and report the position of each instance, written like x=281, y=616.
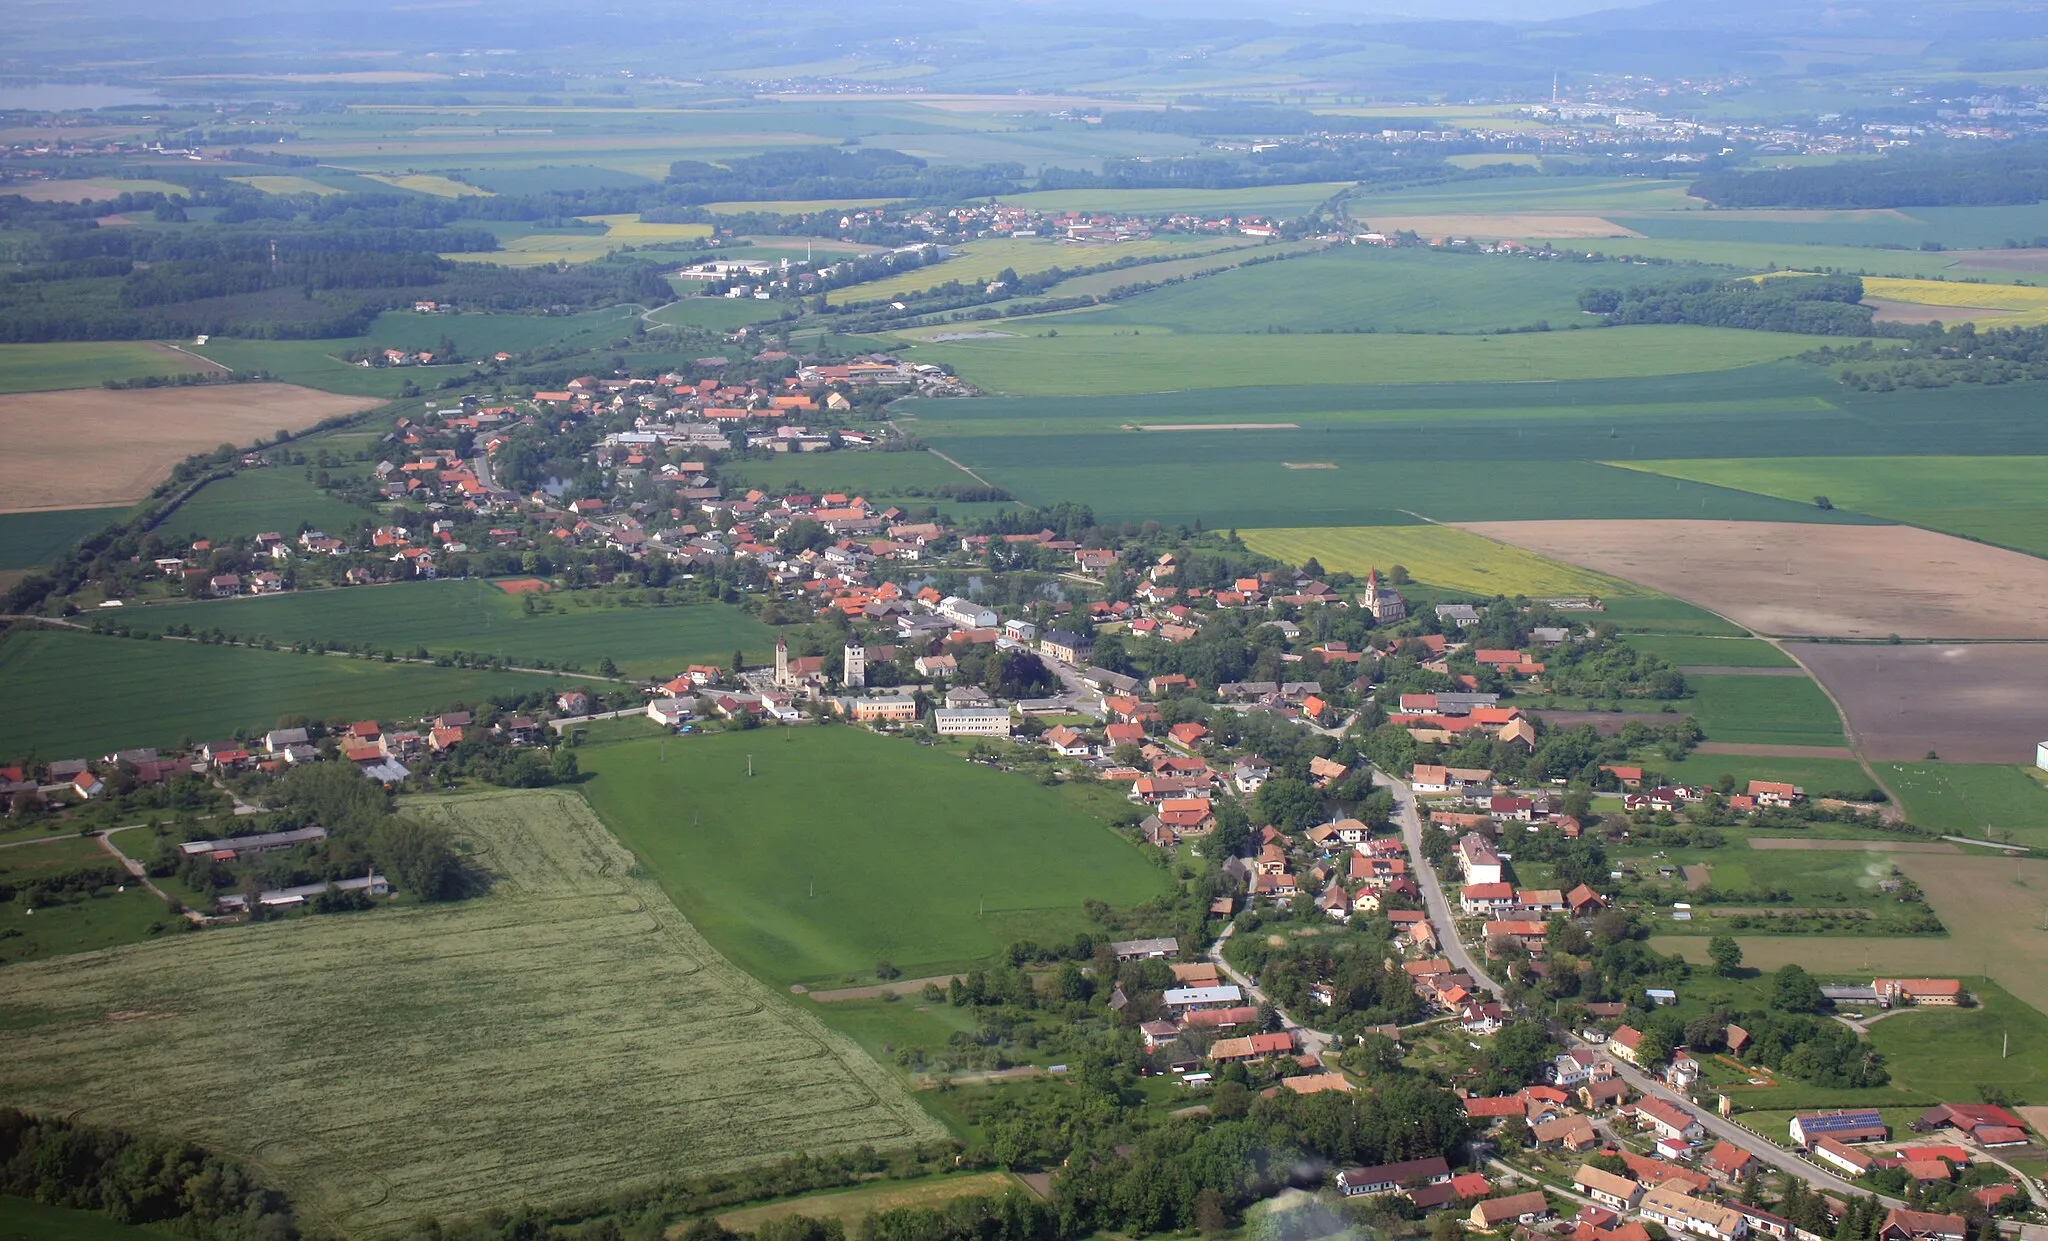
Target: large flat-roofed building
x=243, y=846
x=972, y=722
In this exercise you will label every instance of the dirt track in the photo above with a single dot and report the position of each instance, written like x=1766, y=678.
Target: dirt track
x=1794, y=578
x=93, y=448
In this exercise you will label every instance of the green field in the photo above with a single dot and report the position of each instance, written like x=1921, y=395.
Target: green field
x=23, y=1220
x=851, y=1206
x=1757, y=256
x=317, y=364
x=845, y=849
x=1764, y=710
x=477, y=617
x=1688, y=651
x=1283, y=200
x=28, y=540
x=482, y=335
x=1815, y=775
x=1516, y=195
x=721, y=314
x=1104, y=360
x=1658, y=615
x=250, y=502
x=1949, y=1053
x=83, y=364
x=1362, y=289
x=74, y=694
x=81, y=924
x=491, y=1051
x=1982, y=801
x=1441, y=556
x=2002, y=500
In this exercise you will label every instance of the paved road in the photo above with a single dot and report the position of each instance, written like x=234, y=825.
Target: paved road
x=1312, y=1041
x=1433, y=898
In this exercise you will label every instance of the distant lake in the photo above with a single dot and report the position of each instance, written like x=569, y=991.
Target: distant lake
x=65, y=97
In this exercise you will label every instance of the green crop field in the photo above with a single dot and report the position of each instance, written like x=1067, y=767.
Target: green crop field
x=979, y=261
x=23, y=1220
x=1763, y=710
x=1688, y=651
x=1439, y=556
x=1978, y=800
x=479, y=618
x=1517, y=195
x=28, y=540
x=251, y=502
x=1105, y=360
x=1659, y=615
x=480, y=336
x=721, y=314
x=844, y=849
x=83, y=364
x=2002, y=500
x=1757, y=256
x=317, y=364
x=489, y=1052
x=74, y=694
x=1361, y=288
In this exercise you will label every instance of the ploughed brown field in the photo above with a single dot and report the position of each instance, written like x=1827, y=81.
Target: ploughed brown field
x=1805, y=580
x=93, y=448
x=1969, y=704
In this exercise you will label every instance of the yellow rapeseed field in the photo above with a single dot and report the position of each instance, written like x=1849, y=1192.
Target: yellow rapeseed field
x=2025, y=305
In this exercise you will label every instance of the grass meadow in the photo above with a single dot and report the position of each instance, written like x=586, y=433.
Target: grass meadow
x=315, y=364
x=83, y=364
x=1360, y=289
x=83, y=924
x=1659, y=615
x=28, y=540
x=1815, y=775
x=74, y=694
x=1979, y=800
x=845, y=849
x=1108, y=360
x=1688, y=651
x=1440, y=556
x=250, y=502
x=477, y=617
x=491, y=1051
x=2001, y=500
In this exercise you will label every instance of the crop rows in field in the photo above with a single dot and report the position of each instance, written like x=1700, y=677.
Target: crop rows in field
x=570, y=1033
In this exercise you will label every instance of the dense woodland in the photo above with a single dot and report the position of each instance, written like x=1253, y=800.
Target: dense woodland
x=1813, y=305
x=2017, y=173
x=1937, y=357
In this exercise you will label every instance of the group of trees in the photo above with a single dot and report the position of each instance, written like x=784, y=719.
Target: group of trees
x=1815, y=305
x=1937, y=357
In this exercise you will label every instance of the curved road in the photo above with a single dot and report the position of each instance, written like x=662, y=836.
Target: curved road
x=1312, y=1041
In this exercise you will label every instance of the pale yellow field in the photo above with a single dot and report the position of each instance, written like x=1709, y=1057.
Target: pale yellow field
x=1438, y=555
x=633, y=228
x=620, y=230
x=287, y=185
x=426, y=183
x=982, y=260
x=2022, y=304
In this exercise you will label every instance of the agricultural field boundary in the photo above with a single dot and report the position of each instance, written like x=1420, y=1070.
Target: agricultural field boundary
x=474, y=1077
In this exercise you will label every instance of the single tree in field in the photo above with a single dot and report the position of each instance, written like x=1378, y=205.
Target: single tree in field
x=1726, y=955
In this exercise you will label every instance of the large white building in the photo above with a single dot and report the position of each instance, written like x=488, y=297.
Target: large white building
x=2041, y=756
x=972, y=722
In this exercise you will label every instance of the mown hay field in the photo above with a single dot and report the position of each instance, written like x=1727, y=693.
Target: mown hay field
x=1434, y=555
x=979, y=261
x=843, y=849
x=1109, y=360
x=74, y=694
x=476, y=617
x=568, y=1035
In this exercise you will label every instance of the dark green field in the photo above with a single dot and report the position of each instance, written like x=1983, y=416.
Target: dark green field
x=31, y=539
x=477, y=617
x=1764, y=710
x=23, y=1220
x=845, y=848
x=73, y=694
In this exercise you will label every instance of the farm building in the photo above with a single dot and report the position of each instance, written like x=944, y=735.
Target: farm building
x=1142, y=949
x=1854, y=1126
x=1393, y=1177
x=242, y=846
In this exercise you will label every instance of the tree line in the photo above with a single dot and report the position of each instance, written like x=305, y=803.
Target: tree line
x=1813, y=305
x=2017, y=173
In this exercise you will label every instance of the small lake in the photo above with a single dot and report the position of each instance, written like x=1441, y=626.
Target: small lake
x=68, y=96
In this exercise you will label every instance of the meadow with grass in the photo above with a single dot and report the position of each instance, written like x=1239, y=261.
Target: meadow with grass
x=252, y=502
x=77, y=694
x=86, y=364
x=843, y=849
x=477, y=617
x=446, y=1026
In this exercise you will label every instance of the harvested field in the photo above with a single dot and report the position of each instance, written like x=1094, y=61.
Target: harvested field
x=851, y=1206
x=1810, y=580
x=139, y=435
x=489, y=1052
x=2031, y=259
x=1889, y=311
x=1969, y=704
x=1799, y=844
x=1493, y=226
x=1774, y=751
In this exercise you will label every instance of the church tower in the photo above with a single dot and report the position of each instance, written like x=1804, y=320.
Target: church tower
x=781, y=661
x=855, y=674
